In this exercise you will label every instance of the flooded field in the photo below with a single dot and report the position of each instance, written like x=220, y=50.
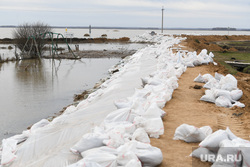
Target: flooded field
x=32, y=90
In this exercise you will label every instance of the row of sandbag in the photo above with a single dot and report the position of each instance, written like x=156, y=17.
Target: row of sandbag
x=222, y=148
x=222, y=90
x=123, y=137
x=9, y=146
x=192, y=59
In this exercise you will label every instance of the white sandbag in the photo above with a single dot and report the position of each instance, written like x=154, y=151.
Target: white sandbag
x=220, y=92
x=218, y=76
x=203, y=52
x=160, y=99
x=8, y=151
x=39, y=124
x=227, y=148
x=199, y=79
x=204, y=154
x=208, y=97
x=89, y=141
x=21, y=137
x=241, y=142
x=231, y=136
x=222, y=101
x=122, y=103
x=103, y=149
x=154, y=81
x=124, y=158
x=211, y=54
x=245, y=152
x=228, y=82
x=128, y=126
x=123, y=114
x=84, y=163
x=207, y=77
x=134, y=163
x=212, y=83
x=207, y=130
x=153, y=126
x=154, y=111
x=189, y=133
x=179, y=72
x=189, y=64
x=148, y=155
x=236, y=94
x=116, y=138
x=197, y=62
x=141, y=135
x=239, y=104
x=213, y=140
x=172, y=82
x=104, y=159
x=140, y=93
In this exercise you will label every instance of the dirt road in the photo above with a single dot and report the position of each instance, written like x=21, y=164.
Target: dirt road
x=185, y=107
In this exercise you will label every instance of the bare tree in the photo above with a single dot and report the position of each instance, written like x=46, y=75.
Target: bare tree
x=35, y=33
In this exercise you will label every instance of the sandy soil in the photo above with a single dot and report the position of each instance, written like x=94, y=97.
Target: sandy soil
x=185, y=107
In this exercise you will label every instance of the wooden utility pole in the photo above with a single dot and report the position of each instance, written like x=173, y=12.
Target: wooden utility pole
x=162, y=19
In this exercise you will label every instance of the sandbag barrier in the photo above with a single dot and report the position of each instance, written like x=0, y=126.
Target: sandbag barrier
x=122, y=139
x=222, y=148
x=139, y=117
x=221, y=90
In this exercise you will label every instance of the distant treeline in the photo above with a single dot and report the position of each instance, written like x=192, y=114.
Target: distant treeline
x=224, y=29
x=142, y=28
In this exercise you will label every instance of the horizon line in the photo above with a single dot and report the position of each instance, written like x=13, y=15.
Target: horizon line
x=153, y=28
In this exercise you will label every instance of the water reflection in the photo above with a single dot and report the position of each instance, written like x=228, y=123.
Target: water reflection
x=31, y=72
x=31, y=90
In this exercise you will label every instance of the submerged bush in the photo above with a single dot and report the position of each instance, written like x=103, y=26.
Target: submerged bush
x=34, y=31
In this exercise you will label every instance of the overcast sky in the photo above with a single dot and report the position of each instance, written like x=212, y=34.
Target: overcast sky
x=128, y=13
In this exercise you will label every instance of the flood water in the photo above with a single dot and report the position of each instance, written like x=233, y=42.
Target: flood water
x=31, y=90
